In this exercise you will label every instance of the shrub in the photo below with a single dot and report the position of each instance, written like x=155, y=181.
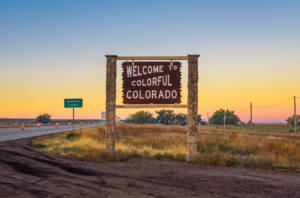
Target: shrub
x=224, y=146
x=72, y=135
x=44, y=118
x=158, y=156
x=168, y=156
x=180, y=157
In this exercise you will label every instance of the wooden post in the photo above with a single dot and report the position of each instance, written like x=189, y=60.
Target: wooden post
x=224, y=118
x=111, y=73
x=192, y=107
x=207, y=119
x=295, y=115
x=251, y=115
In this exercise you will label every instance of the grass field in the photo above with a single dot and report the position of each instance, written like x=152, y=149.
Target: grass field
x=259, y=127
x=215, y=147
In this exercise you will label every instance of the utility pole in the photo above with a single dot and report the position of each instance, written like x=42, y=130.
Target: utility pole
x=251, y=115
x=207, y=120
x=295, y=119
x=224, y=119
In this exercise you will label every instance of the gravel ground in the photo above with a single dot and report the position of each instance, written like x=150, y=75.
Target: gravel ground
x=27, y=173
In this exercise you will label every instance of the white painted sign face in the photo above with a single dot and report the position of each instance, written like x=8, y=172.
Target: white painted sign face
x=151, y=82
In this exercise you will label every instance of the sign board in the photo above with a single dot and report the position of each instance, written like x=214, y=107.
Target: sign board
x=73, y=103
x=151, y=82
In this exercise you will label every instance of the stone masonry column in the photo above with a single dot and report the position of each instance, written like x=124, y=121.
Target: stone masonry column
x=192, y=107
x=111, y=73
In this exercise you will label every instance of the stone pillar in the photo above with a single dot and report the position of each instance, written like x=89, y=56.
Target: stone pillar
x=192, y=107
x=111, y=74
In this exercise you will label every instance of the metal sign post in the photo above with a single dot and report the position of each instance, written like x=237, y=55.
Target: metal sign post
x=73, y=103
x=73, y=119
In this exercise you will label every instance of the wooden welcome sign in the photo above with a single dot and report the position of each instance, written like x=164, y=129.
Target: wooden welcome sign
x=151, y=82
x=152, y=85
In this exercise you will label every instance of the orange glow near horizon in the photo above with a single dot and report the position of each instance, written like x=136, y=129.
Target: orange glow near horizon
x=215, y=92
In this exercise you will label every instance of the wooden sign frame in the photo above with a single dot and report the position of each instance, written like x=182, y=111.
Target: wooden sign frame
x=192, y=106
x=151, y=82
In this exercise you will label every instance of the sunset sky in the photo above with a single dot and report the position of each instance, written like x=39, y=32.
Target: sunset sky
x=52, y=50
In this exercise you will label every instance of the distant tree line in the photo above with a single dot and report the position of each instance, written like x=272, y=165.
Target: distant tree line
x=44, y=118
x=291, y=120
x=219, y=115
x=168, y=117
x=164, y=116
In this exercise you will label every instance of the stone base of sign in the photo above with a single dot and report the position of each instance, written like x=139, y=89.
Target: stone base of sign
x=192, y=107
x=111, y=73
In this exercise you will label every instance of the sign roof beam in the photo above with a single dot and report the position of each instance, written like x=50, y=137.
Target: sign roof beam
x=151, y=106
x=152, y=57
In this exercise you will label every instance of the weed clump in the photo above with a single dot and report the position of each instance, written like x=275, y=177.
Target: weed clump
x=165, y=155
x=158, y=156
x=269, y=147
x=72, y=135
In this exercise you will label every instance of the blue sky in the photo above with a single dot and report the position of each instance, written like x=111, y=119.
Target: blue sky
x=249, y=47
x=123, y=26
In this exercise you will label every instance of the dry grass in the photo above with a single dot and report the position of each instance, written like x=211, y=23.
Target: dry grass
x=257, y=127
x=245, y=151
x=214, y=147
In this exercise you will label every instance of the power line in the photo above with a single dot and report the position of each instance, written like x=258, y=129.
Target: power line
x=243, y=110
x=275, y=105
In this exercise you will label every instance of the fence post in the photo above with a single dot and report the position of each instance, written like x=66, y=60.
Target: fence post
x=251, y=115
x=295, y=119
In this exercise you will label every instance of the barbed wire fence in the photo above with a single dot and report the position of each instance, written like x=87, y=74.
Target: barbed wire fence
x=295, y=115
x=243, y=110
x=275, y=105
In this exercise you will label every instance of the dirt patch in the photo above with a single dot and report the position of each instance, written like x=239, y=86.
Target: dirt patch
x=27, y=173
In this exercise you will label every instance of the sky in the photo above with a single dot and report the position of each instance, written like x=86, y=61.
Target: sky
x=52, y=50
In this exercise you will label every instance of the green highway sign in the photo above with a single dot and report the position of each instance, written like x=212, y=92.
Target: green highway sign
x=73, y=103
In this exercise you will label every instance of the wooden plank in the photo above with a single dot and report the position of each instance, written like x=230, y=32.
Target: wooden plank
x=152, y=106
x=152, y=58
x=151, y=88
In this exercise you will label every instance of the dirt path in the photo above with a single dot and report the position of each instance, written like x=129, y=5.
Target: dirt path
x=26, y=173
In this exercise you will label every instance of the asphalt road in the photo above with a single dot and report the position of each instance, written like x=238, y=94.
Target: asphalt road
x=16, y=133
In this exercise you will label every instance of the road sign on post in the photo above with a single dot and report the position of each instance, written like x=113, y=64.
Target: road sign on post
x=73, y=103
